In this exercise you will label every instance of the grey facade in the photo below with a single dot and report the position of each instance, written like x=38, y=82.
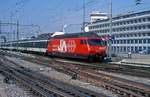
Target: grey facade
x=131, y=31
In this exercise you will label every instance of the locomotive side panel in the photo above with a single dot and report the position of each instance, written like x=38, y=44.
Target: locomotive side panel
x=68, y=47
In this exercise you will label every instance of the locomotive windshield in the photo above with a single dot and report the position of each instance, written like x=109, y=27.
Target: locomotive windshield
x=97, y=42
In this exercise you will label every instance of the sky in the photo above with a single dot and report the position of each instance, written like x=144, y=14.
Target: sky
x=51, y=15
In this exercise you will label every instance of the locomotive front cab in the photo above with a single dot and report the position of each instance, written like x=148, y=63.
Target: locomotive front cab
x=97, y=48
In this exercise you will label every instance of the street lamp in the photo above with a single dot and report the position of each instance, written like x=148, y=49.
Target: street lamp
x=64, y=27
x=83, y=27
x=110, y=30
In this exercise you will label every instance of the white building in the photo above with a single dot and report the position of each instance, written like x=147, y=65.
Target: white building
x=131, y=31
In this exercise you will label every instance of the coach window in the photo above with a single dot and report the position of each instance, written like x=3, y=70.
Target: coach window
x=44, y=44
x=30, y=43
x=20, y=44
x=40, y=44
x=26, y=44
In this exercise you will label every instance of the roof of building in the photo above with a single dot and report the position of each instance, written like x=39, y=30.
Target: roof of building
x=126, y=15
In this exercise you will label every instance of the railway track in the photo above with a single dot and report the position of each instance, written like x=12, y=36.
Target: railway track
x=116, y=68
x=42, y=85
x=125, y=88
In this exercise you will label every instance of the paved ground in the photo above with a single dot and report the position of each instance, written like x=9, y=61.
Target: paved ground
x=2, y=87
x=136, y=59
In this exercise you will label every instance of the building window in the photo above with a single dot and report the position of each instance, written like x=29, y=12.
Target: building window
x=140, y=48
x=148, y=26
x=131, y=41
x=148, y=40
x=144, y=40
x=136, y=41
x=132, y=49
x=117, y=41
x=139, y=20
x=148, y=48
x=139, y=27
x=143, y=19
x=128, y=41
x=124, y=49
x=140, y=40
x=143, y=27
x=135, y=35
x=120, y=41
x=148, y=18
x=117, y=49
x=136, y=49
x=139, y=34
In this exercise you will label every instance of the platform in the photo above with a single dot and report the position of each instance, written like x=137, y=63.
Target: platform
x=136, y=60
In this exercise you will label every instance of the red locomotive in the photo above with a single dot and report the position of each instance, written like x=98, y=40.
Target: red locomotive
x=78, y=45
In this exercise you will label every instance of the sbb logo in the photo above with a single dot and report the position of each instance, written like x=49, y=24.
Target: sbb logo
x=67, y=46
x=62, y=46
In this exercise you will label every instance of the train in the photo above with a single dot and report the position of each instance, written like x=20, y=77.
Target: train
x=75, y=45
